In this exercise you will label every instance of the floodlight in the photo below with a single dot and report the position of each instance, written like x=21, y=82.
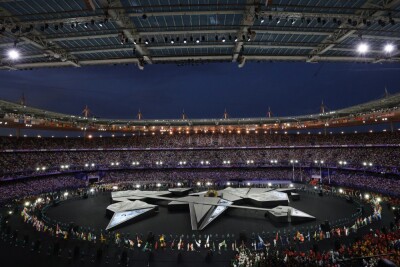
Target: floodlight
x=389, y=48
x=362, y=48
x=13, y=54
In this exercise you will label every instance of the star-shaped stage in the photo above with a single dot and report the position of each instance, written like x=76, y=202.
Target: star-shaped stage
x=131, y=205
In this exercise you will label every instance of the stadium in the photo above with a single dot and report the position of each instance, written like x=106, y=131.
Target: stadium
x=300, y=185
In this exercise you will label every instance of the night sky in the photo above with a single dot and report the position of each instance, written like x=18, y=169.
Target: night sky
x=203, y=91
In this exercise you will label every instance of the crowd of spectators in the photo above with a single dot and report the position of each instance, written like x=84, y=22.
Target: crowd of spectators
x=373, y=157
x=28, y=187
x=200, y=139
x=371, y=250
x=195, y=177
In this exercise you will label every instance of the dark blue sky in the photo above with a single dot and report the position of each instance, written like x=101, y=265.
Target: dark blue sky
x=162, y=91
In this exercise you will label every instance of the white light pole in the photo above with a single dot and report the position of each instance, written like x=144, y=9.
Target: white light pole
x=293, y=161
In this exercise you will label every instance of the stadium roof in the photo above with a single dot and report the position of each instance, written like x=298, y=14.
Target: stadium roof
x=58, y=33
x=378, y=111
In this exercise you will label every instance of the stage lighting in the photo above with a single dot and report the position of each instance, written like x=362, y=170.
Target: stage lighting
x=366, y=196
x=92, y=190
x=228, y=183
x=65, y=194
x=248, y=184
x=184, y=41
x=389, y=48
x=115, y=187
x=197, y=40
x=236, y=39
x=223, y=39
x=27, y=203
x=198, y=183
x=379, y=199
x=262, y=19
x=138, y=186
x=158, y=185
x=179, y=184
x=269, y=184
x=340, y=190
x=291, y=185
x=362, y=48
x=13, y=54
x=147, y=41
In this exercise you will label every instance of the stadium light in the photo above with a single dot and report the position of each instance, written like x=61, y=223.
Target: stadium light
x=363, y=48
x=13, y=54
x=389, y=48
